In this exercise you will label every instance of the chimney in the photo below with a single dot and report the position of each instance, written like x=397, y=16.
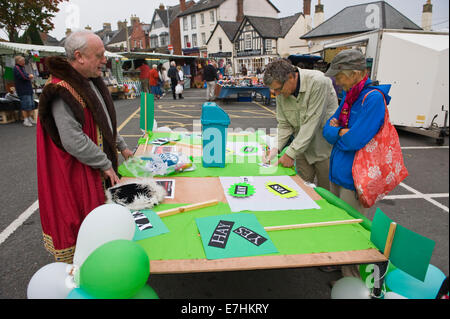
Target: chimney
x=68, y=31
x=307, y=7
x=134, y=20
x=107, y=26
x=307, y=14
x=427, y=16
x=121, y=25
x=240, y=11
x=182, y=5
x=318, y=14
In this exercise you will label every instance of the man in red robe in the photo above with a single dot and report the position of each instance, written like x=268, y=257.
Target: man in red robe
x=77, y=142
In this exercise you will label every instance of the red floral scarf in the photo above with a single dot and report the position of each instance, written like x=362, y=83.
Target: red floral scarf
x=350, y=98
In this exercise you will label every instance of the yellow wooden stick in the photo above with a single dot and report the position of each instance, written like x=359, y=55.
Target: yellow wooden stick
x=390, y=239
x=321, y=224
x=185, y=144
x=187, y=208
x=146, y=143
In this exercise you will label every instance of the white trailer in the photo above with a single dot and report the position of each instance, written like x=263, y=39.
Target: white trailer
x=416, y=64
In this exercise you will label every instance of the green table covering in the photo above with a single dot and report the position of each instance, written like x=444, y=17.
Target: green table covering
x=183, y=240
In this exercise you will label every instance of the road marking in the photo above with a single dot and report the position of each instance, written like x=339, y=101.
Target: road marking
x=266, y=108
x=179, y=114
x=427, y=197
x=128, y=120
x=35, y=206
x=415, y=196
x=422, y=147
x=18, y=222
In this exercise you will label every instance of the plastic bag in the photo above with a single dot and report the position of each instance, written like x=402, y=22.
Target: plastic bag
x=178, y=89
x=158, y=164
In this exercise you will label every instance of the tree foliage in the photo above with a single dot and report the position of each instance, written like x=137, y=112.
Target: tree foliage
x=16, y=15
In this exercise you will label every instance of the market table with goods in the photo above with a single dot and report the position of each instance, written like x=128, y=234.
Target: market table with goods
x=225, y=210
x=205, y=201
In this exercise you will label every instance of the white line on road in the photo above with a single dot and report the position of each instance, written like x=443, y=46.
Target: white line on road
x=427, y=197
x=422, y=147
x=18, y=222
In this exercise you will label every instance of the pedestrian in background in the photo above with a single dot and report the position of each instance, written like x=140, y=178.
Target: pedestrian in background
x=173, y=75
x=144, y=75
x=211, y=76
x=76, y=142
x=180, y=85
x=24, y=89
x=153, y=77
x=244, y=70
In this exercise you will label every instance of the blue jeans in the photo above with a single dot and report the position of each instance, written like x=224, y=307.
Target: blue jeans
x=26, y=102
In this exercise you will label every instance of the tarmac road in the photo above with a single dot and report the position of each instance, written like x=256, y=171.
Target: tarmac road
x=420, y=204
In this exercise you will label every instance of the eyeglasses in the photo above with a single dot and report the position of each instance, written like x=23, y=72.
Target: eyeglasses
x=278, y=90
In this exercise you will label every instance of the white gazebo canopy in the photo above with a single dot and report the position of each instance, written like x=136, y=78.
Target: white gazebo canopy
x=44, y=50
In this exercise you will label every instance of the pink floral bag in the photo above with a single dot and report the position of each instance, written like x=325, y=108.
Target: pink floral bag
x=378, y=167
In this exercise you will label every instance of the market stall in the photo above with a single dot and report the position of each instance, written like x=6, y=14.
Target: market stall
x=191, y=67
x=246, y=89
x=35, y=56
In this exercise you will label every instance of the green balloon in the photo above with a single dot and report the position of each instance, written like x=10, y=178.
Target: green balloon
x=146, y=292
x=115, y=270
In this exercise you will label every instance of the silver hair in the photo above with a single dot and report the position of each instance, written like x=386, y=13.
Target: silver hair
x=76, y=41
x=17, y=58
x=279, y=71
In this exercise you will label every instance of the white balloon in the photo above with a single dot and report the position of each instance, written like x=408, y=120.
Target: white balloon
x=350, y=288
x=393, y=295
x=49, y=282
x=103, y=224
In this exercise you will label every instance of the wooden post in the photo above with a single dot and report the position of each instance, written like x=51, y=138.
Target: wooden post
x=390, y=239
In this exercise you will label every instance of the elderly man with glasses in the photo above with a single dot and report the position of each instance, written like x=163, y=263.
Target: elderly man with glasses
x=305, y=100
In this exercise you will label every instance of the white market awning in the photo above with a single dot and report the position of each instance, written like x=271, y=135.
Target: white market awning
x=44, y=50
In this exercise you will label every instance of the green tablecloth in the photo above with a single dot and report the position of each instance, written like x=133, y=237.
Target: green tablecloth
x=183, y=241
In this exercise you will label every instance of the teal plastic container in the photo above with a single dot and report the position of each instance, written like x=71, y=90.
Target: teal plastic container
x=215, y=123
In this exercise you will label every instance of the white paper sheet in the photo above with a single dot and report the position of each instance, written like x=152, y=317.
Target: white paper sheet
x=263, y=199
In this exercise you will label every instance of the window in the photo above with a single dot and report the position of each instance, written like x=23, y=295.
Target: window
x=202, y=18
x=268, y=45
x=140, y=44
x=211, y=15
x=193, y=22
x=236, y=46
x=220, y=44
x=248, y=41
x=157, y=24
x=186, y=40
x=185, y=24
x=203, y=38
x=194, y=40
x=163, y=40
x=154, y=41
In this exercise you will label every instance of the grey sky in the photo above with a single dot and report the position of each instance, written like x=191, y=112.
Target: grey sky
x=94, y=12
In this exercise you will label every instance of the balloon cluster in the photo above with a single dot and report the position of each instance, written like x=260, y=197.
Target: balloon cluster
x=107, y=264
x=398, y=284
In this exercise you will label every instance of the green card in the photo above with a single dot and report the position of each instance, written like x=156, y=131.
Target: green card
x=147, y=113
x=234, y=235
x=410, y=251
x=148, y=224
